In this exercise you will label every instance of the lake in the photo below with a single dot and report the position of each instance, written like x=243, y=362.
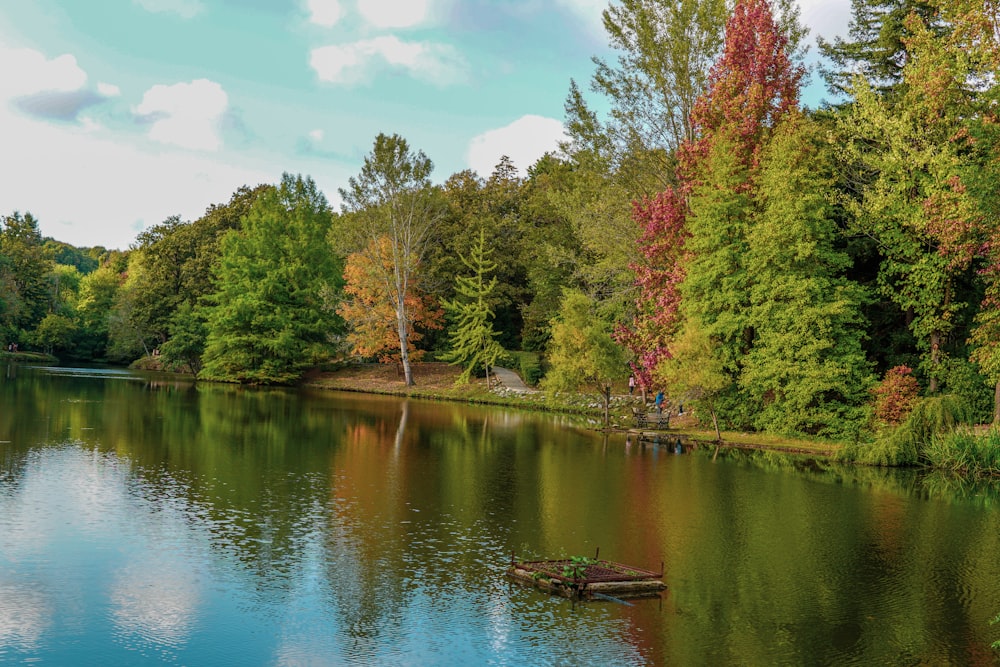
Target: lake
x=146, y=520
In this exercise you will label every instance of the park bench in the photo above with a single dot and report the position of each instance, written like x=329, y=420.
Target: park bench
x=657, y=420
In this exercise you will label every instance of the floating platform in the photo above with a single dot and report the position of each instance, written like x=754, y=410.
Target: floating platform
x=588, y=578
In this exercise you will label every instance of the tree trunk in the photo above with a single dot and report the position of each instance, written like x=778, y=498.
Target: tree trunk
x=404, y=355
x=607, y=407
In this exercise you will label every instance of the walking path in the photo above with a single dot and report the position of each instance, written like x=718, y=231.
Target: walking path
x=512, y=381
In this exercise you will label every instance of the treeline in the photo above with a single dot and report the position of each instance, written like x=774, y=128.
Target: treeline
x=790, y=270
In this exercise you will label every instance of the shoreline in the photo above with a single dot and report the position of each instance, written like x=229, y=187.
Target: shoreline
x=436, y=381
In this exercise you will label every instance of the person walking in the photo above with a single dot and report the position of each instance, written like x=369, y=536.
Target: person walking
x=659, y=402
x=631, y=384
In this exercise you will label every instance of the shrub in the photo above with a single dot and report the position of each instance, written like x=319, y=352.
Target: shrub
x=907, y=443
x=531, y=369
x=895, y=395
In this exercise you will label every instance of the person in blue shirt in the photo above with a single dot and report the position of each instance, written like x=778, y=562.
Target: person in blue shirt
x=659, y=402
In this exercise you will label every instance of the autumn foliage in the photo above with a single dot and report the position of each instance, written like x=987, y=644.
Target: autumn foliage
x=895, y=396
x=372, y=313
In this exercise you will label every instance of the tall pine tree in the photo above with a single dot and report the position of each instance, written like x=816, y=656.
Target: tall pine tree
x=473, y=341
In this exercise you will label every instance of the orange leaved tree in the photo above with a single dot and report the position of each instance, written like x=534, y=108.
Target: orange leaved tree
x=371, y=310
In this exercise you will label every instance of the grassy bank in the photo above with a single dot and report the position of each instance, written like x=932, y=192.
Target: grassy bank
x=437, y=381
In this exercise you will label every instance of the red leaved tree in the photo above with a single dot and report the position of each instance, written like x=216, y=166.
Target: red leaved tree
x=661, y=244
x=751, y=86
x=896, y=395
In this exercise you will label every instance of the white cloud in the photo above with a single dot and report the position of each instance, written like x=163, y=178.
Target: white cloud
x=185, y=114
x=186, y=9
x=324, y=13
x=52, y=89
x=108, y=89
x=394, y=13
x=356, y=62
x=523, y=141
x=26, y=71
x=109, y=189
x=316, y=135
x=826, y=18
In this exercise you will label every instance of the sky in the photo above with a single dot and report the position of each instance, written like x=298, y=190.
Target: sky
x=117, y=114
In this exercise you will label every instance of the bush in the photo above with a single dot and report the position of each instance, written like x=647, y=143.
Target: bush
x=895, y=395
x=531, y=369
x=964, y=451
x=908, y=443
x=962, y=378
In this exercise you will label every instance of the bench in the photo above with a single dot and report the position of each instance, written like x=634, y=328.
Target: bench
x=657, y=420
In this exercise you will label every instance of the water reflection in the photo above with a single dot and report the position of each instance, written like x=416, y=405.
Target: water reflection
x=154, y=600
x=147, y=521
x=25, y=614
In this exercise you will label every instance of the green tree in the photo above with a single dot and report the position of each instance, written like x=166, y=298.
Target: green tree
x=27, y=264
x=269, y=317
x=807, y=368
x=392, y=197
x=875, y=47
x=910, y=190
x=696, y=371
x=186, y=344
x=473, y=340
x=94, y=308
x=54, y=333
x=582, y=353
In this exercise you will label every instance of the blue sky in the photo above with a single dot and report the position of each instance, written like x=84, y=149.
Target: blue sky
x=116, y=114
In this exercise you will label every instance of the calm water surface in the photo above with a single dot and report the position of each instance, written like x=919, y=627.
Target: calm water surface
x=145, y=520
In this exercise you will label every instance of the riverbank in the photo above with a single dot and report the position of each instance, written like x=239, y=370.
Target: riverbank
x=33, y=357
x=437, y=381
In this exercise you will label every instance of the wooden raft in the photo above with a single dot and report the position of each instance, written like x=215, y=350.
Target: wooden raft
x=587, y=578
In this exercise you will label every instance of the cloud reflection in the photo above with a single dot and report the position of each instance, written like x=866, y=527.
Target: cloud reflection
x=155, y=602
x=24, y=616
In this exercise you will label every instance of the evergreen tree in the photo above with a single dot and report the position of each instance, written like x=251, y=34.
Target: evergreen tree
x=269, y=317
x=473, y=340
x=807, y=369
x=876, y=45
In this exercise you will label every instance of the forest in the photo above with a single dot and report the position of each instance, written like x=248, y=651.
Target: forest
x=830, y=272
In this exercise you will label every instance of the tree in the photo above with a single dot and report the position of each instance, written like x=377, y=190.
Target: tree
x=753, y=86
x=910, y=191
x=895, y=396
x=269, y=317
x=95, y=307
x=662, y=220
x=392, y=197
x=54, y=332
x=876, y=48
x=807, y=368
x=369, y=311
x=27, y=263
x=473, y=340
x=665, y=49
x=582, y=353
x=186, y=344
x=695, y=370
